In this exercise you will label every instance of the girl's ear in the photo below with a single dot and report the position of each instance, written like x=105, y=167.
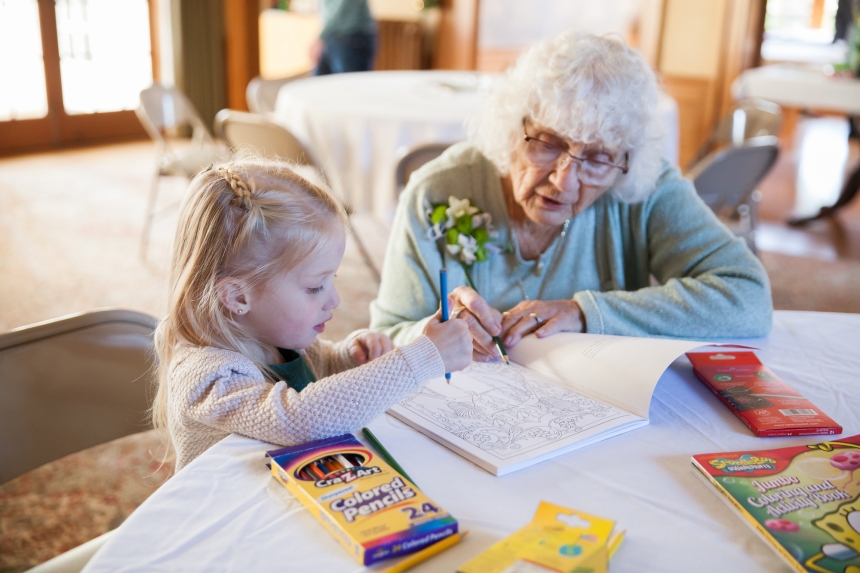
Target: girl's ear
x=234, y=295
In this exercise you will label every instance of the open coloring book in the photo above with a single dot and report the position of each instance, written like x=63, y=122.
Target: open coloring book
x=559, y=394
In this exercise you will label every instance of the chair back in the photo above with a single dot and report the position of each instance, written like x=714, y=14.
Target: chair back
x=262, y=95
x=413, y=160
x=254, y=132
x=72, y=383
x=166, y=108
x=727, y=178
x=750, y=118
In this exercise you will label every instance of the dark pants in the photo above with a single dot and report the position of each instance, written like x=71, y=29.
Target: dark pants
x=348, y=53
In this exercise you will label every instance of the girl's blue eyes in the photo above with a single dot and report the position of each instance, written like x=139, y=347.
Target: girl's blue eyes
x=316, y=290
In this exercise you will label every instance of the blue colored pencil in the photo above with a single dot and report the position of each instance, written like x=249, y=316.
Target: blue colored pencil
x=443, y=293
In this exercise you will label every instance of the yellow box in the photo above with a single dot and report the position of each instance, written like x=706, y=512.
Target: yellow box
x=558, y=538
x=373, y=510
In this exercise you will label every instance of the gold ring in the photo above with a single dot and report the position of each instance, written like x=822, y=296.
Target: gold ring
x=536, y=317
x=456, y=312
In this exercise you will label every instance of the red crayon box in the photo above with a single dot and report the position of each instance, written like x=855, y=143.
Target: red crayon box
x=763, y=401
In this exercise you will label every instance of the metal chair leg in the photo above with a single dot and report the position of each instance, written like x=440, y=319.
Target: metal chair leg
x=150, y=213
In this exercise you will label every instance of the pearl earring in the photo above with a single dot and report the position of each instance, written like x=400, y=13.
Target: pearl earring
x=241, y=311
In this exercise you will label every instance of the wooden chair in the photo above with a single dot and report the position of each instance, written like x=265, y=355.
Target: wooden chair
x=726, y=180
x=164, y=113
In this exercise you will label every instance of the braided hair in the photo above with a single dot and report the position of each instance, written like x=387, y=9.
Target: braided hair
x=247, y=219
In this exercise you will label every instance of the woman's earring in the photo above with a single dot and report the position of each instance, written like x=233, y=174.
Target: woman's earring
x=241, y=311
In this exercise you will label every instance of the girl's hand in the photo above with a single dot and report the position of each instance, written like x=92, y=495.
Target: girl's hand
x=367, y=345
x=543, y=317
x=452, y=340
x=484, y=321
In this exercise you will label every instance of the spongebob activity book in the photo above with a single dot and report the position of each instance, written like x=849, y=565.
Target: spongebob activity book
x=803, y=500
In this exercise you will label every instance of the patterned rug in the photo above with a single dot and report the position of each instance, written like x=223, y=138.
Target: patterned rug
x=69, y=501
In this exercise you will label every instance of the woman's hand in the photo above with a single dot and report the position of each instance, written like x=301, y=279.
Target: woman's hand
x=452, y=341
x=368, y=345
x=543, y=317
x=484, y=321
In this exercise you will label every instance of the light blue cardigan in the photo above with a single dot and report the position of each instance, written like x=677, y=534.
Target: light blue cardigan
x=710, y=285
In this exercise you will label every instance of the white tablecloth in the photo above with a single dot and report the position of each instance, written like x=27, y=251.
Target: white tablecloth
x=806, y=88
x=225, y=511
x=356, y=125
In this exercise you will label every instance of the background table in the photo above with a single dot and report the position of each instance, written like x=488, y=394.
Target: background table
x=225, y=510
x=356, y=125
x=801, y=87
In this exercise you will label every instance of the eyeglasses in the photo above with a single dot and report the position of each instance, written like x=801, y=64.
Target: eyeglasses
x=596, y=168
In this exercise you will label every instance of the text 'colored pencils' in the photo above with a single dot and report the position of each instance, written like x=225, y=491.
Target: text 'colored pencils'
x=384, y=453
x=443, y=294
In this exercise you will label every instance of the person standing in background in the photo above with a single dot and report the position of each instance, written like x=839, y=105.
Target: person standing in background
x=347, y=42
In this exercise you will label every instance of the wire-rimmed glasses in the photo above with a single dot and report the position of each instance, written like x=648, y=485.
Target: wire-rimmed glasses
x=595, y=168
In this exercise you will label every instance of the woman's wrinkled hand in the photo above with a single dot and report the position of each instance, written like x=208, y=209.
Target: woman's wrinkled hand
x=368, y=345
x=543, y=317
x=484, y=321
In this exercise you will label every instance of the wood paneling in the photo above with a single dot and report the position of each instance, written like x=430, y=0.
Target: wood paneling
x=241, y=48
x=399, y=45
x=457, y=39
x=741, y=46
x=695, y=97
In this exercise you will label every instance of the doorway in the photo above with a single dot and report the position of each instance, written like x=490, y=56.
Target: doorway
x=72, y=71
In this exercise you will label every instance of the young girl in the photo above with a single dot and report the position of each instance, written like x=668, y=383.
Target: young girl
x=251, y=288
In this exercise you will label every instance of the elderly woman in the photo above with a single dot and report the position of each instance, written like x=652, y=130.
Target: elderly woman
x=602, y=235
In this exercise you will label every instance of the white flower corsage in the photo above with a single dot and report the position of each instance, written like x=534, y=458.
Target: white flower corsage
x=466, y=229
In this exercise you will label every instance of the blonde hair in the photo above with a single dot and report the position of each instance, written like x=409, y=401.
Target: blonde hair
x=248, y=219
x=590, y=89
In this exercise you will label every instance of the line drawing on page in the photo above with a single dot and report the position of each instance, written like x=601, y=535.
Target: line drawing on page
x=508, y=410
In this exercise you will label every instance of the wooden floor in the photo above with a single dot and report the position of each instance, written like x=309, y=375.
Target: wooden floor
x=808, y=175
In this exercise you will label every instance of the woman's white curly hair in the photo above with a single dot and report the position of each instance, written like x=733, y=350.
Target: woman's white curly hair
x=590, y=89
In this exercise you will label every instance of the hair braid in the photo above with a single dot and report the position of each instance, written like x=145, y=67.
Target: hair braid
x=241, y=190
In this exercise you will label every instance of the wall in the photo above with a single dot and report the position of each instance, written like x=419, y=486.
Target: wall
x=506, y=27
x=689, y=63
x=705, y=45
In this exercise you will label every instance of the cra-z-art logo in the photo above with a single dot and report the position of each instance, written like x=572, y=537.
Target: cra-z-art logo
x=746, y=463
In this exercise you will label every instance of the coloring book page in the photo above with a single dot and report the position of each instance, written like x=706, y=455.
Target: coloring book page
x=499, y=415
x=560, y=393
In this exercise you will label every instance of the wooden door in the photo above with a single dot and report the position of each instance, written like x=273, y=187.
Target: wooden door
x=74, y=69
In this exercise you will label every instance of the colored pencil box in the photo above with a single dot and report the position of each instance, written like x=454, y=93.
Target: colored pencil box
x=763, y=401
x=373, y=510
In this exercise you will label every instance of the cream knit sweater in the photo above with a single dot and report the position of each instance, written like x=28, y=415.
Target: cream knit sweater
x=214, y=392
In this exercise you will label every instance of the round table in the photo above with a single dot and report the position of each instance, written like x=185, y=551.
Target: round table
x=357, y=125
x=226, y=511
